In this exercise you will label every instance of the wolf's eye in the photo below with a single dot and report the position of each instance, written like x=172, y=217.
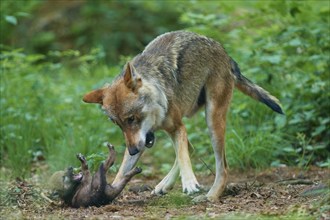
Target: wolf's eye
x=130, y=119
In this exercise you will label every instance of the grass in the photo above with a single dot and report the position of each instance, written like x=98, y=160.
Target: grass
x=176, y=200
x=42, y=112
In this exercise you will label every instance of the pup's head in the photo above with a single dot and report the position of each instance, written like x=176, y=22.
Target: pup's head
x=135, y=104
x=71, y=180
x=65, y=183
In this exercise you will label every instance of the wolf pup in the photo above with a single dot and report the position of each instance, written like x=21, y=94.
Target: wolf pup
x=82, y=190
x=176, y=74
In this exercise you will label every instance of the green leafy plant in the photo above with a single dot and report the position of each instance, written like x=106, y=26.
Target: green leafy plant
x=286, y=50
x=281, y=45
x=46, y=113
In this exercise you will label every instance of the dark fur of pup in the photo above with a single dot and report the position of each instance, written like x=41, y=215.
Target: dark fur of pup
x=83, y=189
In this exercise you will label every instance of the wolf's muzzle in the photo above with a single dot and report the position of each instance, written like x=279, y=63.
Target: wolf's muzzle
x=150, y=139
x=149, y=142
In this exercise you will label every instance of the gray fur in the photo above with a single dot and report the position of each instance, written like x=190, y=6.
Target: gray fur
x=175, y=75
x=179, y=60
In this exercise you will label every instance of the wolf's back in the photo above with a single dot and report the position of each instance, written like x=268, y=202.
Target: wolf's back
x=179, y=60
x=253, y=90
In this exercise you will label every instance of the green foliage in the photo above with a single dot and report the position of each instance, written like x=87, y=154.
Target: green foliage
x=284, y=47
x=175, y=199
x=117, y=27
x=41, y=111
x=11, y=15
x=281, y=45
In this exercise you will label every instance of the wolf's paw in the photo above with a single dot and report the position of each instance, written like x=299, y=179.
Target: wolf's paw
x=161, y=189
x=165, y=185
x=190, y=186
x=158, y=192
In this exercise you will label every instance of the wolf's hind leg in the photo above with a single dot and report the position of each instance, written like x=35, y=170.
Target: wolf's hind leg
x=216, y=109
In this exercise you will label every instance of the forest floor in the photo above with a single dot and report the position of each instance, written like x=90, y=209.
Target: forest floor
x=276, y=193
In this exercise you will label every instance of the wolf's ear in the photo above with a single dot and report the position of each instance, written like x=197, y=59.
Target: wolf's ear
x=95, y=96
x=131, y=78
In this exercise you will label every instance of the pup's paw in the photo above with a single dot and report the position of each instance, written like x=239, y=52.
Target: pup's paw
x=133, y=172
x=137, y=170
x=81, y=157
x=110, y=146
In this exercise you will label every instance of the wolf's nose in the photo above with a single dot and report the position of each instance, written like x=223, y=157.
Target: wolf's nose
x=133, y=150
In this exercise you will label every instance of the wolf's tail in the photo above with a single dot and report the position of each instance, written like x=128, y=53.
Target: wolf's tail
x=253, y=90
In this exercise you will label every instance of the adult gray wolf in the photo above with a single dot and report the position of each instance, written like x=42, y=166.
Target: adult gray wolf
x=177, y=73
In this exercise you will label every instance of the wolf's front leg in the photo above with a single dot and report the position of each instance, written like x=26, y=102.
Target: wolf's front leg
x=182, y=164
x=127, y=165
x=189, y=181
x=168, y=182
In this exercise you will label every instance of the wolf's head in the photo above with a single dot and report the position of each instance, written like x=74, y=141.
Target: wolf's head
x=135, y=104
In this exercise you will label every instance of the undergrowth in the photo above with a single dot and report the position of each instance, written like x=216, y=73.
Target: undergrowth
x=286, y=51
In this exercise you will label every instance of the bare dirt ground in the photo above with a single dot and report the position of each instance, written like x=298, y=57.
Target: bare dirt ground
x=285, y=193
